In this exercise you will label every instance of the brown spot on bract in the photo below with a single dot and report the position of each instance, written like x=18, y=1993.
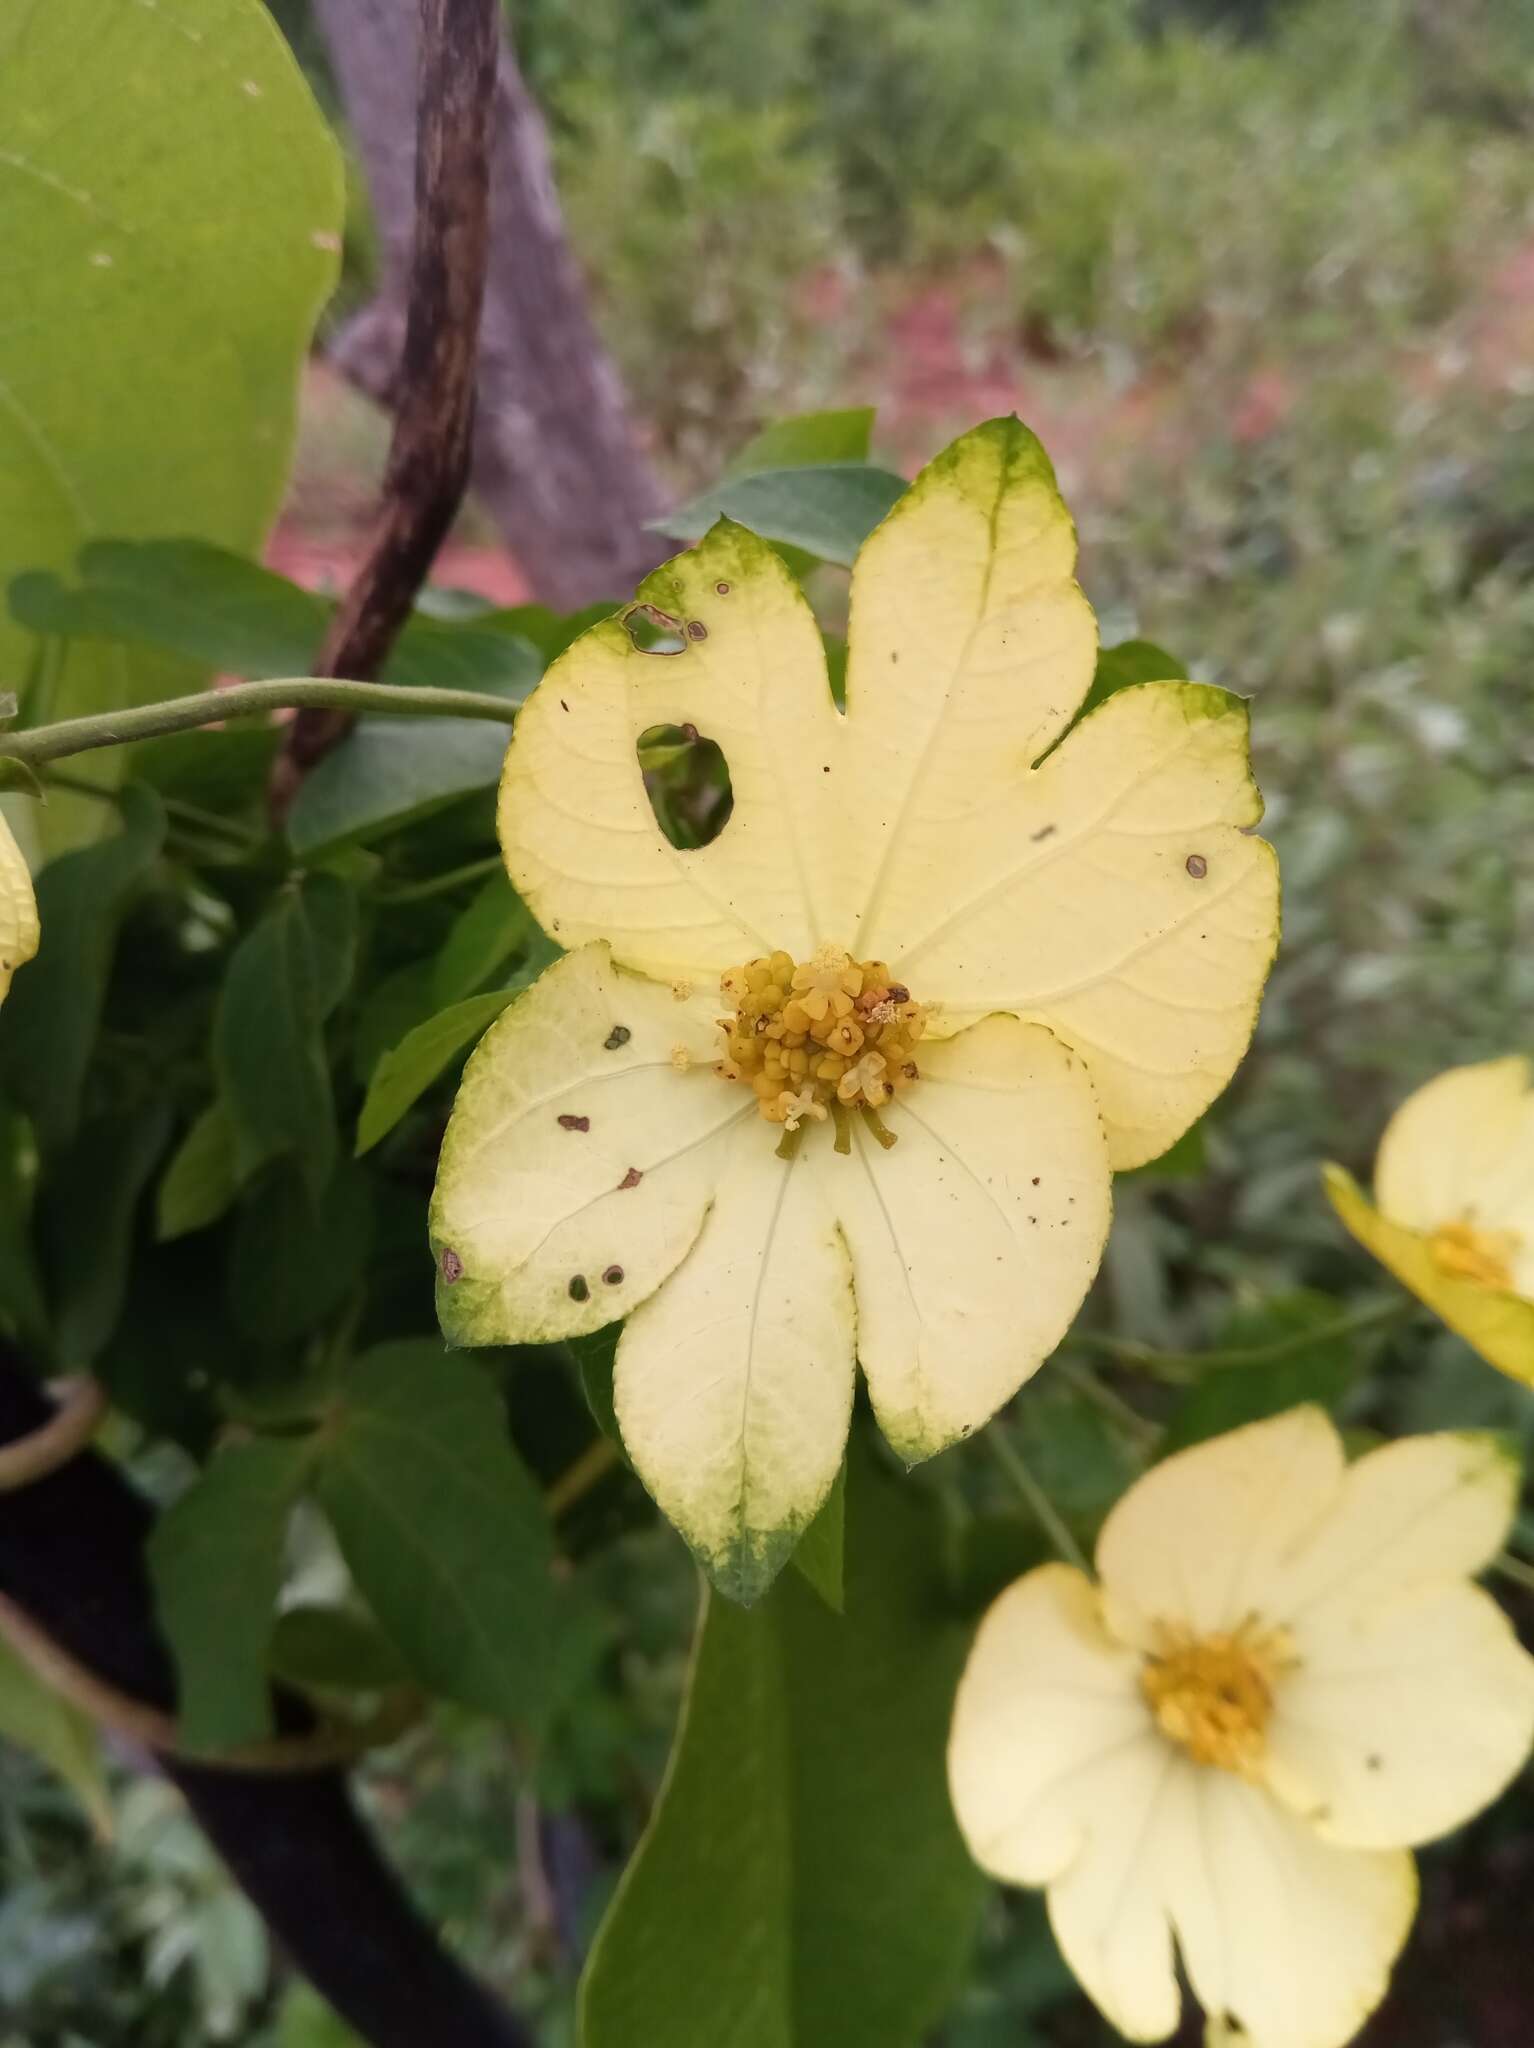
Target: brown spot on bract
x=1035, y=1180
x=631, y=1179
x=1197, y=866
x=563, y=705
x=1375, y=1763
x=613, y=1275
x=574, y=1123
x=722, y=589
x=578, y=1289
x=696, y=630
x=451, y=1266
x=619, y=1035
x=1044, y=832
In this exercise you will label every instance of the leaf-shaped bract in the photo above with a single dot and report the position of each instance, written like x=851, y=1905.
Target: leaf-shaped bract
x=802, y=1881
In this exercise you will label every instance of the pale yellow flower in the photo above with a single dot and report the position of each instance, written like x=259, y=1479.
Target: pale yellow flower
x=1453, y=1210
x=1055, y=953
x=1226, y=1748
x=19, y=932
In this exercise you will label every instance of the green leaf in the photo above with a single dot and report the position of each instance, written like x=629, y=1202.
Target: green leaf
x=306, y=2021
x=85, y=1217
x=404, y=1074
x=216, y=1560
x=594, y=1355
x=333, y=1649
x=807, y=438
x=442, y=1527
x=1130, y=662
x=22, y=1310
x=201, y=1179
x=1187, y=1159
x=170, y=294
x=293, y=1261
x=829, y=510
x=494, y=926
x=388, y=773
x=330, y=907
x=222, y=768
x=819, y=1552
x=1321, y=1367
x=222, y=611
x=802, y=1880
x=49, y=1024
x=268, y=1050
x=36, y=1719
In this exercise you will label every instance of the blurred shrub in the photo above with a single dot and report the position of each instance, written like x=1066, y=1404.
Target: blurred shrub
x=697, y=221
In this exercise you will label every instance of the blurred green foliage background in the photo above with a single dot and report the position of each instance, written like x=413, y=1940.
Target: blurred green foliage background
x=1262, y=277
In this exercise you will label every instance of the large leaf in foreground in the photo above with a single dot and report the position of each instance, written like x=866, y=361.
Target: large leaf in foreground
x=172, y=205
x=441, y=1525
x=802, y=1882
x=217, y=1561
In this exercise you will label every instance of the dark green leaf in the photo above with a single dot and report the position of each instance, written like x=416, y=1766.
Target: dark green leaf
x=404, y=1074
x=390, y=772
x=293, y=1261
x=334, y=1649
x=331, y=909
x=49, y=1024
x=189, y=597
x=1131, y=661
x=829, y=511
x=807, y=438
x=818, y=1554
x=1321, y=1367
x=443, y=1529
x=201, y=1179
x=221, y=768
x=594, y=1355
x=493, y=927
x=85, y=1226
x=802, y=1881
x=267, y=1047
x=22, y=1312
x=217, y=1563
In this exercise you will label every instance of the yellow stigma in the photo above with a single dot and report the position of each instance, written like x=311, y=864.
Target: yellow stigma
x=1466, y=1252
x=816, y=1038
x=1213, y=1694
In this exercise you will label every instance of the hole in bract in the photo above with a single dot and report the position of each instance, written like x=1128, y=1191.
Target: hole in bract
x=687, y=780
x=653, y=631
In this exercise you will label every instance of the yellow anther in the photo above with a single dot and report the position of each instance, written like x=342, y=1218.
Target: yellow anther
x=1466, y=1252
x=1213, y=1695
x=826, y=1035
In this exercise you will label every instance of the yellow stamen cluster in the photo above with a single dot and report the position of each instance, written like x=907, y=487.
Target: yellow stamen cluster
x=1213, y=1694
x=820, y=1037
x=1466, y=1252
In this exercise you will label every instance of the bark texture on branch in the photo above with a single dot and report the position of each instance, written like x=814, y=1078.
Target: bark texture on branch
x=555, y=462
x=72, y=1555
x=448, y=140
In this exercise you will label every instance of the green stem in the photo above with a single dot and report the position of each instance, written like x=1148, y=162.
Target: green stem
x=244, y=700
x=1043, y=1509
x=440, y=885
x=1180, y=1366
x=1112, y=1404
x=1515, y=1569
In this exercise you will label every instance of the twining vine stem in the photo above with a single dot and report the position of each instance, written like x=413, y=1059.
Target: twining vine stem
x=242, y=700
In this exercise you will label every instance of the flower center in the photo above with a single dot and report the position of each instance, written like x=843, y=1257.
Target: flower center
x=1466, y=1252
x=1213, y=1694
x=818, y=1039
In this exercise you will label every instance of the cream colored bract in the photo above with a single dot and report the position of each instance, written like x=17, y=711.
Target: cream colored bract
x=1453, y=1211
x=1077, y=936
x=1380, y=1700
x=19, y=933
